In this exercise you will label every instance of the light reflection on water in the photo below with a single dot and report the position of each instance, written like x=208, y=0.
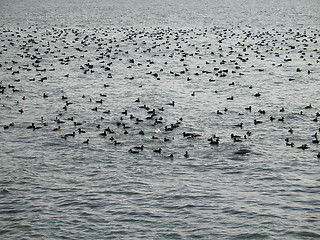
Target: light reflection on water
x=61, y=188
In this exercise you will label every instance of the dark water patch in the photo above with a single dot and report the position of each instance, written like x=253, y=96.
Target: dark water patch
x=304, y=234
x=251, y=236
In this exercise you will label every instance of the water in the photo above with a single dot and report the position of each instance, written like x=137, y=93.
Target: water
x=56, y=188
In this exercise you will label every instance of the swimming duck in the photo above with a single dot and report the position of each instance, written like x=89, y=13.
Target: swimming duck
x=87, y=141
x=115, y=142
x=141, y=132
x=81, y=131
x=158, y=150
x=31, y=126
x=262, y=111
x=133, y=151
x=290, y=144
x=104, y=133
x=186, y=155
x=248, y=108
x=139, y=147
x=257, y=122
x=109, y=130
x=171, y=104
x=219, y=113
x=304, y=146
x=230, y=98
x=57, y=129
x=73, y=134
x=214, y=142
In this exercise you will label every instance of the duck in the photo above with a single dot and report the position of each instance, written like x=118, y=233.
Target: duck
x=139, y=147
x=262, y=111
x=290, y=144
x=133, y=151
x=31, y=126
x=304, y=147
x=158, y=150
x=214, y=142
x=73, y=134
x=219, y=113
x=230, y=98
x=309, y=106
x=104, y=133
x=87, y=141
x=187, y=134
x=168, y=128
x=57, y=129
x=171, y=104
x=257, y=122
x=81, y=131
x=248, y=108
x=115, y=142
x=109, y=130
x=186, y=155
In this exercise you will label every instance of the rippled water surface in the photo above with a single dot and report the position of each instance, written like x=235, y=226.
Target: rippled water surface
x=75, y=69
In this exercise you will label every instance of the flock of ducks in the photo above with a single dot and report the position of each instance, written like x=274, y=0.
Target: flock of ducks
x=33, y=58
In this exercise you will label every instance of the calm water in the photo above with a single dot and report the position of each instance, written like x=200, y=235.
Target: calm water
x=59, y=59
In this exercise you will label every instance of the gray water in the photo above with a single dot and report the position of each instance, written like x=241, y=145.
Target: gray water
x=198, y=54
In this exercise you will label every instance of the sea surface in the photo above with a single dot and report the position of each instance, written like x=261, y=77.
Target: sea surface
x=224, y=97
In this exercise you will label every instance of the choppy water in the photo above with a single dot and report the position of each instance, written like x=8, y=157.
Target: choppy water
x=56, y=187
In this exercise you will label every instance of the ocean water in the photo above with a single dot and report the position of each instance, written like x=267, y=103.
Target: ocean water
x=84, y=64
